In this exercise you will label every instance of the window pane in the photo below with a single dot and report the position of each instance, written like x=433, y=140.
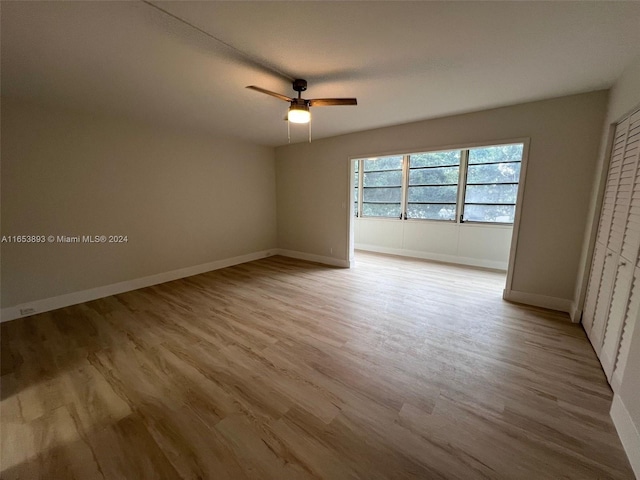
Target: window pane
x=427, y=169
x=496, y=173
x=385, y=195
x=383, y=163
x=489, y=213
x=355, y=201
x=431, y=212
x=434, y=176
x=500, y=153
x=433, y=194
x=435, y=159
x=382, y=186
x=495, y=193
x=383, y=179
x=381, y=210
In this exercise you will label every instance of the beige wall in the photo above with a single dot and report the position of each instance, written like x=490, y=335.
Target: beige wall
x=182, y=199
x=312, y=192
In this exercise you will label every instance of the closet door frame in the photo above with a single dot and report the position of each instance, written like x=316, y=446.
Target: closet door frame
x=587, y=263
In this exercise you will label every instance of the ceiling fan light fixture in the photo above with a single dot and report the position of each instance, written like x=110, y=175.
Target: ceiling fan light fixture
x=299, y=114
x=299, y=107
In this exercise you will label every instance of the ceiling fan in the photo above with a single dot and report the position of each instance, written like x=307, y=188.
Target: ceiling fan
x=299, y=107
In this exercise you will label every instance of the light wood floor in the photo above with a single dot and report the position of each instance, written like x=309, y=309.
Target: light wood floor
x=281, y=369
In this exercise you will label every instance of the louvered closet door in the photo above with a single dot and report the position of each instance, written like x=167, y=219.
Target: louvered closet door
x=594, y=296
x=631, y=243
x=603, y=302
x=597, y=266
x=629, y=248
x=617, y=312
x=630, y=323
x=623, y=192
x=611, y=189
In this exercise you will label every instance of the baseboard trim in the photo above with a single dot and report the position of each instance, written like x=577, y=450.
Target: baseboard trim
x=627, y=431
x=53, y=303
x=473, y=262
x=544, y=301
x=310, y=257
x=575, y=313
x=616, y=380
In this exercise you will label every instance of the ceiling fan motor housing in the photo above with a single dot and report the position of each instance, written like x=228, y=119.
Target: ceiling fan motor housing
x=299, y=85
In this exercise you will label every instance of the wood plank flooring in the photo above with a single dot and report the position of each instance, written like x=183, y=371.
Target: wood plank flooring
x=282, y=369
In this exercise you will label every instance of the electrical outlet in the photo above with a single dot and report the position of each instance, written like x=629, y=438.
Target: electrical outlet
x=27, y=311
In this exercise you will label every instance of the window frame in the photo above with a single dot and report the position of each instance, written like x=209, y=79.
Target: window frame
x=463, y=195
x=358, y=200
x=461, y=185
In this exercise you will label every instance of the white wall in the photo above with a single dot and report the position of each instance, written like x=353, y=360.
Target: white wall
x=313, y=183
x=469, y=244
x=182, y=199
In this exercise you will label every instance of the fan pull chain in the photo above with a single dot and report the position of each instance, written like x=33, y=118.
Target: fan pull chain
x=309, y=131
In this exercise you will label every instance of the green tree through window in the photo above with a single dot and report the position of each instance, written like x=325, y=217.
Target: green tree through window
x=433, y=185
x=382, y=187
x=492, y=183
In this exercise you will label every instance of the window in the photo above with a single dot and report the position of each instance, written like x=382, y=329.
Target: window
x=433, y=185
x=382, y=186
x=465, y=185
x=492, y=184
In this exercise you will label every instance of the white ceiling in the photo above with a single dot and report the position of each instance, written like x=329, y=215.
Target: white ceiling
x=404, y=61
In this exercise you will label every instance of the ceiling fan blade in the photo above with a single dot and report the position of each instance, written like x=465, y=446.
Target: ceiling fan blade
x=328, y=102
x=269, y=92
